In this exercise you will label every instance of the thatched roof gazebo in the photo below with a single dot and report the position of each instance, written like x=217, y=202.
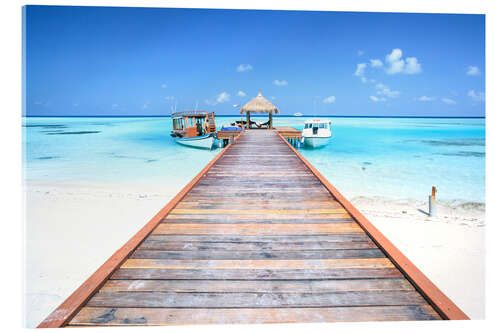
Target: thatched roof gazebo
x=260, y=105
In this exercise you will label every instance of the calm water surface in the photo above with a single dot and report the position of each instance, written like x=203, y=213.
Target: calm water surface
x=394, y=158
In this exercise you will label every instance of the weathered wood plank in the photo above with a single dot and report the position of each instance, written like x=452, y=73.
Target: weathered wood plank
x=255, y=300
x=245, y=255
x=272, y=240
x=90, y=316
x=255, y=246
x=265, y=286
x=255, y=274
x=180, y=211
x=255, y=229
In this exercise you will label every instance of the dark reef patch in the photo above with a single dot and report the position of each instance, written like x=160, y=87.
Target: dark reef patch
x=47, y=157
x=465, y=154
x=466, y=142
x=73, y=133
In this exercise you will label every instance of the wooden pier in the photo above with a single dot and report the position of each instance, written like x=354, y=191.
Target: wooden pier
x=258, y=236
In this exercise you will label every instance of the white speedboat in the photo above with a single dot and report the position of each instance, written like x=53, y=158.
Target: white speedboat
x=316, y=132
x=194, y=128
x=298, y=114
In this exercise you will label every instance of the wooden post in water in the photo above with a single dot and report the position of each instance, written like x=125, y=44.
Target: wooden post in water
x=432, y=202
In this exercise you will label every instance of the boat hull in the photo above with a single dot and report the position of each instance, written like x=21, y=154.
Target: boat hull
x=204, y=142
x=316, y=141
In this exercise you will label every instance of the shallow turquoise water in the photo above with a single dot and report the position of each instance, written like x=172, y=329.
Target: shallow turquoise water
x=395, y=158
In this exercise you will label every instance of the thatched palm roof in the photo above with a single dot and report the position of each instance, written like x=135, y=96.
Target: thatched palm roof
x=260, y=105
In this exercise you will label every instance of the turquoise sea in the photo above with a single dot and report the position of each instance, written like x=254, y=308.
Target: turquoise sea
x=392, y=158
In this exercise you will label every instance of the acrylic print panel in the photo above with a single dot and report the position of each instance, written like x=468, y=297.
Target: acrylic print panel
x=126, y=226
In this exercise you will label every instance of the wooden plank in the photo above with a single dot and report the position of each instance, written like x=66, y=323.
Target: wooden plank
x=90, y=316
x=244, y=255
x=63, y=313
x=255, y=246
x=257, y=264
x=231, y=220
x=255, y=300
x=255, y=229
x=180, y=211
x=441, y=303
x=271, y=240
x=265, y=286
x=256, y=274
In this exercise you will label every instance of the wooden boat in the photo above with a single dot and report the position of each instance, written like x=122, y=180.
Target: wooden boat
x=194, y=128
x=316, y=132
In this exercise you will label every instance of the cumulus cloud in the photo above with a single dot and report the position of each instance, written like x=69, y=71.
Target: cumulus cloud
x=280, y=83
x=222, y=97
x=360, y=53
x=473, y=71
x=477, y=96
x=426, y=98
x=363, y=79
x=330, y=99
x=384, y=90
x=164, y=85
x=448, y=101
x=241, y=93
x=378, y=99
x=244, y=68
x=360, y=69
x=376, y=63
x=396, y=63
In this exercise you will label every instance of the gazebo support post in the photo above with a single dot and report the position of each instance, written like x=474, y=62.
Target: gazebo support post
x=248, y=119
x=270, y=126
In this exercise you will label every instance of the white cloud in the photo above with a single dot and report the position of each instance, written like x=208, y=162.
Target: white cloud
x=330, y=99
x=363, y=79
x=376, y=63
x=241, y=93
x=360, y=69
x=75, y=105
x=164, y=85
x=477, y=96
x=114, y=106
x=169, y=98
x=145, y=106
x=412, y=66
x=473, y=71
x=426, y=98
x=384, y=90
x=222, y=97
x=244, y=68
x=280, y=83
x=272, y=97
x=360, y=53
x=396, y=64
x=448, y=101
x=378, y=99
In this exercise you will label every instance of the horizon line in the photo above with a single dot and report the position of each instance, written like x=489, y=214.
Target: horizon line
x=238, y=115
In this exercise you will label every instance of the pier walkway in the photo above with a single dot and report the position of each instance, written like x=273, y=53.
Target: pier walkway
x=259, y=236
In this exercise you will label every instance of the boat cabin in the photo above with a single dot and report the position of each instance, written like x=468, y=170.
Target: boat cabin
x=315, y=126
x=190, y=124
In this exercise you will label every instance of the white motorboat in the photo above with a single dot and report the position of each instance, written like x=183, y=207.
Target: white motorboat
x=298, y=114
x=194, y=128
x=316, y=132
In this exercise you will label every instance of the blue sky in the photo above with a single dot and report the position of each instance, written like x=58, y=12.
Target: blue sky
x=144, y=61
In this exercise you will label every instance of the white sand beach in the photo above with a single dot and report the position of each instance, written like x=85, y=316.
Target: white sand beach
x=71, y=229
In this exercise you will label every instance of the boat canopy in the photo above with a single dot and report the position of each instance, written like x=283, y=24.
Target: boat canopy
x=200, y=114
